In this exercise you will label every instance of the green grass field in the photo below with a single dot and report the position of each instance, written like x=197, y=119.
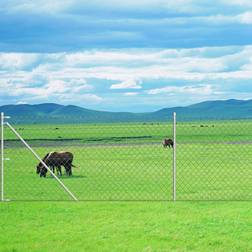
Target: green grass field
x=148, y=132
x=126, y=226
x=126, y=162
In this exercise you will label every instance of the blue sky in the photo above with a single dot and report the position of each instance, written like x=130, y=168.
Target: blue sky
x=125, y=56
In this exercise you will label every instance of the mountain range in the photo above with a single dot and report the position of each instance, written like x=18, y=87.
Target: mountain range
x=56, y=113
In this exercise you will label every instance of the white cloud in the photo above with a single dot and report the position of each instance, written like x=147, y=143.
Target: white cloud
x=17, y=60
x=244, y=3
x=82, y=6
x=195, y=90
x=128, y=84
x=52, y=87
x=63, y=86
x=248, y=65
x=131, y=93
x=174, y=59
x=216, y=19
x=38, y=6
x=120, y=64
x=245, y=18
x=110, y=57
x=64, y=77
x=21, y=102
x=53, y=73
x=81, y=98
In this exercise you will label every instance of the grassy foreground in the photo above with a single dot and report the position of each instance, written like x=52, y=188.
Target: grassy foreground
x=125, y=226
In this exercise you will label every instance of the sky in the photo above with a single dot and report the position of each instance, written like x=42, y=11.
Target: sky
x=129, y=55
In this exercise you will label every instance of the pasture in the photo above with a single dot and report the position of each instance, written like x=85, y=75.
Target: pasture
x=125, y=226
x=126, y=162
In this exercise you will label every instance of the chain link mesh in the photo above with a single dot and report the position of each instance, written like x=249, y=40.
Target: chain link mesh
x=127, y=161
x=214, y=160
x=113, y=161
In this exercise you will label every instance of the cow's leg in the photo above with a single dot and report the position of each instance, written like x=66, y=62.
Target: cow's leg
x=68, y=167
x=41, y=173
x=59, y=170
x=52, y=168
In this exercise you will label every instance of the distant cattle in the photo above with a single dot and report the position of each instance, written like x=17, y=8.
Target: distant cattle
x=56, y=159
x=168, y=143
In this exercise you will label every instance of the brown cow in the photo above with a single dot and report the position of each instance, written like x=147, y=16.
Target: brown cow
x=168, y=142
x=49, y=164
x=56, y=159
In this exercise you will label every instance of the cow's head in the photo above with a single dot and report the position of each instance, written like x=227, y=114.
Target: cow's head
x=43, y=172
x=40, y=169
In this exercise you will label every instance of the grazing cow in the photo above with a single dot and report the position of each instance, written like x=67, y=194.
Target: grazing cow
x=168, y=142
x=56, y=159
x=50, y=165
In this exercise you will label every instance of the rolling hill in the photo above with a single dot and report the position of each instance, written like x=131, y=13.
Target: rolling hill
x=55, y=113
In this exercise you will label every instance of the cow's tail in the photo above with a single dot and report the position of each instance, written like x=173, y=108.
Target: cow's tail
x=75, y=166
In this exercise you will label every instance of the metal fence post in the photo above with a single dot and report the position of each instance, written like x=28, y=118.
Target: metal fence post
x=174, y=156
x=2, y=156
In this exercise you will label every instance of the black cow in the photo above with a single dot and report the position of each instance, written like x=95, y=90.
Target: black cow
x=168, y=142
x=56, y=159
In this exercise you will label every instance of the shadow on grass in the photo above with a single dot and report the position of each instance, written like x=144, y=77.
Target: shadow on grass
x=67, y=177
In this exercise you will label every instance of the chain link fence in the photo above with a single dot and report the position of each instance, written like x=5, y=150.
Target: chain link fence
x=214, y=160
x=128, y=161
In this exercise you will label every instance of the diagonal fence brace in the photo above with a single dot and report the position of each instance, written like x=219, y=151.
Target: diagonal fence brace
x=48, y=169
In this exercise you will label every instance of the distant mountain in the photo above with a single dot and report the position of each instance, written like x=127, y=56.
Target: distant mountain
x=30, y=110
x=55, y=113
x=212, y=110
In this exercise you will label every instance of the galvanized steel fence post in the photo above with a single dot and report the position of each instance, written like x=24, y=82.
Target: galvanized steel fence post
x=2, y=156
x=174, y=156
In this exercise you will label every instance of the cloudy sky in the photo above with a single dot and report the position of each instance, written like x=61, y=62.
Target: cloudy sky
x=125, y=55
